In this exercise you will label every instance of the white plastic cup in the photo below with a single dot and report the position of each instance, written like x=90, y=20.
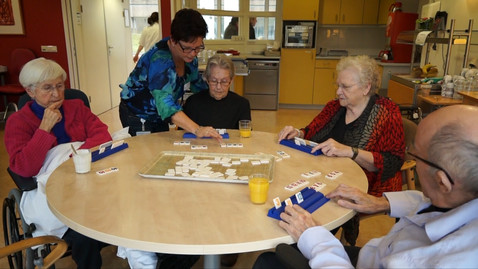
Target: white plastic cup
x=82, y=161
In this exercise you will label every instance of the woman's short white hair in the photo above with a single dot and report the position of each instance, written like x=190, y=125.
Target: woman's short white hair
x=223, y=62
x=367, y=71
x=39, y=70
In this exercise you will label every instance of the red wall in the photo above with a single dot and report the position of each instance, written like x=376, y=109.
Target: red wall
x=166, y=17
x=43, y=24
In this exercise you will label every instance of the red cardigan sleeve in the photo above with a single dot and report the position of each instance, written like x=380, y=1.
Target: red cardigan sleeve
x=27, y=145
x=82, y=125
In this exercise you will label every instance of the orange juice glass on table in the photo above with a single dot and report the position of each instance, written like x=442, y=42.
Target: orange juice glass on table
x=245, y=127
x=258, y=188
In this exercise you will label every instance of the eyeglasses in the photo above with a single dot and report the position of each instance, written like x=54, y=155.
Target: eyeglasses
x=189, y=50
x=432, y=165
x=48, y=88
x=215, y=83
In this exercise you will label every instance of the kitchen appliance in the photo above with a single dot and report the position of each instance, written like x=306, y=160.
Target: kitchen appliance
x=398, y=22
x=385, y=55
x=261, y=86
x=298, y=34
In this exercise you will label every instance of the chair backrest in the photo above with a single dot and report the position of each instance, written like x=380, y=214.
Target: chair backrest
x=18, y=59
x=410, y=129
x=69, y=94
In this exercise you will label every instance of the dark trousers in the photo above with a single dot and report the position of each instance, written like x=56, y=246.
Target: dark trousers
x=128, y=119
x=84, y=250
x=289, y=257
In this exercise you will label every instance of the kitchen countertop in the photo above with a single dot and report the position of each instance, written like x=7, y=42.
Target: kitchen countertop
x=320, y=57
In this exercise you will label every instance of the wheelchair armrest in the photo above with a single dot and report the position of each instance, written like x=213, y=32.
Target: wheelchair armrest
x=23, y=183
x=291, y=257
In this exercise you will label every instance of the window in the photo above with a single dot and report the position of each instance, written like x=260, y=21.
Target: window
x=232, y=19
x=140, y=11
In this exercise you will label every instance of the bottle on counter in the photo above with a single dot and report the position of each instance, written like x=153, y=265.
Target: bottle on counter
x=447, y=90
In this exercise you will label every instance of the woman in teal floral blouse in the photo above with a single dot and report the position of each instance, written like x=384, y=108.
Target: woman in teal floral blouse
x=151, y=97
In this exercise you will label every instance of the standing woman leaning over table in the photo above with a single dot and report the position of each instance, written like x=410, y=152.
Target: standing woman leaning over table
x=360, y=125
x=151, y=96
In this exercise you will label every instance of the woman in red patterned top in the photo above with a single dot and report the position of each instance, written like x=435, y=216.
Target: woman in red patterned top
x=361, y=125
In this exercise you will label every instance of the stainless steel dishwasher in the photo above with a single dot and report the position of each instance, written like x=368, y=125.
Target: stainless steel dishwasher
x=261, y=86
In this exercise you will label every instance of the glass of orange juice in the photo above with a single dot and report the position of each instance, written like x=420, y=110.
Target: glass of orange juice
x=245, y=127
x=258, y=188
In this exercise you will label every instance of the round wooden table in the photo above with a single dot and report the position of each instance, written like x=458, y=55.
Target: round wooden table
x=189, y=217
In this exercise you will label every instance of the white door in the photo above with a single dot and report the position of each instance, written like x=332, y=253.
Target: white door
x=118, y=37
x=103, y=45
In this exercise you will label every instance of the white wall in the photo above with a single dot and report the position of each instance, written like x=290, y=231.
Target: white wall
x=461, y=11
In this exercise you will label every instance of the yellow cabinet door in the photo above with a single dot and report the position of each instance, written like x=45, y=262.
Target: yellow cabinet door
x=383, y=11
x=329, y=12
x=296, y=78
x=324, y=81
x=370, y=11
x=400, y=94
x=300, y=9
x=351, y=11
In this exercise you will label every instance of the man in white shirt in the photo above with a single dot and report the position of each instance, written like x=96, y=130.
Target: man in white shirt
x=437, y=228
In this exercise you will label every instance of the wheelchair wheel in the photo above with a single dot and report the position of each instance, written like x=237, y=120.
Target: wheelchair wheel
x=12, y=230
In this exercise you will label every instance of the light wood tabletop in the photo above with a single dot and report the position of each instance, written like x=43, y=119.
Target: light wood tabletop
x=469, y=97
x=438, y=100
x=189, y=217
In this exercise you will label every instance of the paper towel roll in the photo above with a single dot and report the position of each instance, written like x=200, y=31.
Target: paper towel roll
x=422, y=37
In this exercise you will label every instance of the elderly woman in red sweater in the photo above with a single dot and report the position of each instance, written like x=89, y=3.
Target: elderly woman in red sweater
x=40, y=126
x=360, y=125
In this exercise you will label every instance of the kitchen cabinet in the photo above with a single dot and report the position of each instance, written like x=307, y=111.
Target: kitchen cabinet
x=401, y=94
x=341, y=12
x=383, y=10
x=370, y=11
x=300, y=10
x=324, y=81
x=296, y=76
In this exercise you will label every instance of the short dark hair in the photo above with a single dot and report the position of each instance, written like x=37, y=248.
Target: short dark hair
x=153, y=18
x=188, y=25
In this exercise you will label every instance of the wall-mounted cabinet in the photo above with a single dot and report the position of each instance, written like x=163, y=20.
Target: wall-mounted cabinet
x=370, y=11
x=341, y=12
x=324, y=81
x=296, y=78
x=383, y=10
x=354, y=11
x=300, y=10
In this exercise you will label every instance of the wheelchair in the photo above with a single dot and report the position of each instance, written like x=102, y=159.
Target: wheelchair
x=14, y=226
x=16, y=229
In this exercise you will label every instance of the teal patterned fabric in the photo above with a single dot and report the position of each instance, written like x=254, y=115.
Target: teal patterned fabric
x=153, y=90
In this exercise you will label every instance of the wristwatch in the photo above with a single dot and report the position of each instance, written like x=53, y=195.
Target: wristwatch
x=355, y=151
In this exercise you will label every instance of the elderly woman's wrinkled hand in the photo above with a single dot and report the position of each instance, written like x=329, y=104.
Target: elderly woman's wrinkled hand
x=353, y=198
x=287, y=133
x=51, y=116
x=295, y=220
x=333, y=148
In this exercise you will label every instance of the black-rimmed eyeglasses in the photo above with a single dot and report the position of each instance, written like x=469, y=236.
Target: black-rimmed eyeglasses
x=432, y=165
x=189, y=50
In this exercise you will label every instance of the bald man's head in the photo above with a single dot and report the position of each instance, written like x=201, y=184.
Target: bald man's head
x=448, y=137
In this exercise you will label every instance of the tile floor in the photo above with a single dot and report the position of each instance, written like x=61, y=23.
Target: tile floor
x=270, y=121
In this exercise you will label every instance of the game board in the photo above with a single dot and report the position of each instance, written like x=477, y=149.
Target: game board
x=206, y=166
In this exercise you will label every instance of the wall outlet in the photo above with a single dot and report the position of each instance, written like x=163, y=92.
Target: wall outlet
x=49, y=49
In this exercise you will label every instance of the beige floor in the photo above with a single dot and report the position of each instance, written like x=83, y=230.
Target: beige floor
x=270, y=121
